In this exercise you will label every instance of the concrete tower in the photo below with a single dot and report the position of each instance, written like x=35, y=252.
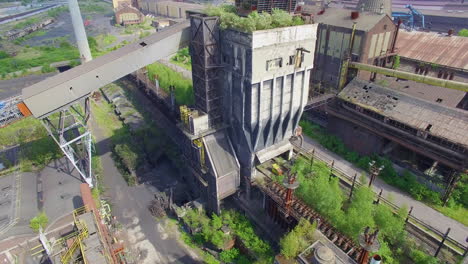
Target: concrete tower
x=250, y=91
x=376, y=6
x=80, y=33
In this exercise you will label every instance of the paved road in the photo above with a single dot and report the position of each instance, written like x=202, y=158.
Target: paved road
x=420, y=210
x=13, y=87
x=145, y=234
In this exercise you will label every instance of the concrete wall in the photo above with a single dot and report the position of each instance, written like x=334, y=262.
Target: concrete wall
x=264, y=93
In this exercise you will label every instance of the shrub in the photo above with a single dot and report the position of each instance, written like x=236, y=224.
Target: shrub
x=420, y=257
x=39, y=221
x=298, y=239
x=127, y=155
x=254, y=21
x=463, y=32
x=229, y=256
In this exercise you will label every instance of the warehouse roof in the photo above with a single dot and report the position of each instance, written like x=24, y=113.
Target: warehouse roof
x=439, y=95
x=376, y=6
x=434, y=48
x=342, y=18
x=438, y=120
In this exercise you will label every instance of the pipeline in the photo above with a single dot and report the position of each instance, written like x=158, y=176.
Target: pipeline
x=411, y=76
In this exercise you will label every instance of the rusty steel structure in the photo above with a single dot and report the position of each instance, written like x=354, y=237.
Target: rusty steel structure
x=369, y=243
x=287, y=213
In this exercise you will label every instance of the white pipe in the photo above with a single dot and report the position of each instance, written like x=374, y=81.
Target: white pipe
x=80, y=33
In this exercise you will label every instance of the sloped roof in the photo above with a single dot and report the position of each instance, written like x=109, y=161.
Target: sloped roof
x=445, y=122
x=434, y=48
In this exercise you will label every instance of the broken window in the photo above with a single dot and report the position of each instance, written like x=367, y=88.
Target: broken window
x=274, y=64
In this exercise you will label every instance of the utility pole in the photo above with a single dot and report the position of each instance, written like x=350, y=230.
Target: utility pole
x=374, y=171
x=331, y=169
x=352, y=187
x=409, y=214
x=369, y=243
x=442, y=242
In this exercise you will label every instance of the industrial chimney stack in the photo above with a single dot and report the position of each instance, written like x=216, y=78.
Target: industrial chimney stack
x=80, y=34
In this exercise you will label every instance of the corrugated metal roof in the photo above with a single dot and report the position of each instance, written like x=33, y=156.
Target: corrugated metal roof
x=446, y=122
x=376, y=6
x=434, y=48
x=443, y=96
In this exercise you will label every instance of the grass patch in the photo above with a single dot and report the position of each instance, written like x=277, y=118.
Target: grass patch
x=105, y=39
x=167, y=77
x=458, y=213
x=40, y=56
x=183, y=59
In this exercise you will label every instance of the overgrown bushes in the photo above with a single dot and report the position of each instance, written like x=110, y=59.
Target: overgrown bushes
x=167, y=77
x=323, y=193
x=296, y=241
x=406, y=181
x=208, y=230
x=183, y=59
x=254, y=21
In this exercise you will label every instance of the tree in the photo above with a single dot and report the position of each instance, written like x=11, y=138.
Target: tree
x=360, y=212
x=390, y=225
x=298, y=239
x=39, y=221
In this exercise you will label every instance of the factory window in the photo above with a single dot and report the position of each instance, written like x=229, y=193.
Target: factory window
x=291, y=60
x=274, y=64
x=385, y=27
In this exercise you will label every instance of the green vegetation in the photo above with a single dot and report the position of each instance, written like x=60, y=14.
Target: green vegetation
x=55, y=12
x=27, y=22
x=183, y=59
x=406, y=181
x=206, y=230
x=37, y=149
x=254, y=21
x=94, y=7
x=350, y=217
x=103, y=40
x=30, y=57
x=296, y=241
x=396, y=62
x=39, y=221
x=144, y=34
x=167, y=77
x=463, y=32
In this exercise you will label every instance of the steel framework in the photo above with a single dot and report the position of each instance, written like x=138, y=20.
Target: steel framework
x=206, y=69
x=70, y=132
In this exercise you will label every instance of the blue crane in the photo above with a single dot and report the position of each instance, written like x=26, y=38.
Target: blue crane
x=408, y=18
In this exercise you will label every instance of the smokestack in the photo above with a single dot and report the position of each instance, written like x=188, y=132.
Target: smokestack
x=80, y=34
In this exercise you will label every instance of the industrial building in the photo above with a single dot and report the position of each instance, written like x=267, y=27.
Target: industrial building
x=128, y=15
x=250, y=90
x=168, y=8
x=374, y=37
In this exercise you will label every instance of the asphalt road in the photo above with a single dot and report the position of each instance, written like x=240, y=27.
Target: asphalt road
x=428, y=215
x=129, y=204
x=13, y=87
